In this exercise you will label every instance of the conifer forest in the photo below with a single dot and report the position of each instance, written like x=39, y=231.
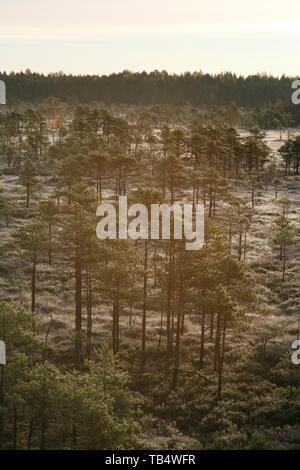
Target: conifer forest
x=142, y=344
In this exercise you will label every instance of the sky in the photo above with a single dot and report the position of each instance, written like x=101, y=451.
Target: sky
x=106, y=36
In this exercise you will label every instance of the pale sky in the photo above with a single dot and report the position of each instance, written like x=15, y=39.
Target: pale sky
x=105, y=36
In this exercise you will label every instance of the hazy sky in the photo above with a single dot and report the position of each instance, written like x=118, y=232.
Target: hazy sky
x=104, y=36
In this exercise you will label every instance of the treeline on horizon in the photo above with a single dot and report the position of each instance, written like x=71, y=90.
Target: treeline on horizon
x=127, y=87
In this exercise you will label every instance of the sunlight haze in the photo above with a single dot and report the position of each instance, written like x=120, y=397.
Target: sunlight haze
x=100, y=37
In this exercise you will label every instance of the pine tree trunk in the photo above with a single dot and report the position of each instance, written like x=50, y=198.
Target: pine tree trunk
x=155, y=267
x=177, y=342
x=78, y=308
x=27, y=195
x=89, y=315
x=144, y=314
x=202, y=344
x=240, y=246
x=245, y=246
x=116, y=318
x=1, y=405
x=217, y=343
x=212, y=324
x=33, y=281
x=284, y=262
x=221, y=362
x=169, y=301
x=49, y=243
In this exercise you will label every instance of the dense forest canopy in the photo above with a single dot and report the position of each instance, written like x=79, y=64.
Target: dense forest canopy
x=197, y=88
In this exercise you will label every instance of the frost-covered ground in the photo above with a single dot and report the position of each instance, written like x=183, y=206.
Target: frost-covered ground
x=278, y=303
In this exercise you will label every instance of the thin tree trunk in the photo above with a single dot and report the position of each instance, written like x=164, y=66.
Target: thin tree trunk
x=27, y=195
x=169, y=301
x=78, y=309
x=33, y=280
x=144, y=314
x=212, y=321
x=49, y=242
x=221, y=362
x=89, y=315
x=177, y=342
x=1, y=405
x=202, y=344
x=245, y=245
x=217, y=343
x=284, y=262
